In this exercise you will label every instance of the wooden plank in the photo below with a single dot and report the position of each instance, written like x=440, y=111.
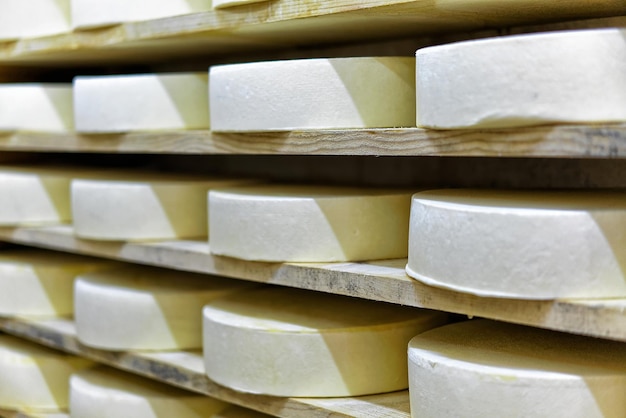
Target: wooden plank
x=283, y=23
x=378, y=280
x=588, y=141
x=185, y=369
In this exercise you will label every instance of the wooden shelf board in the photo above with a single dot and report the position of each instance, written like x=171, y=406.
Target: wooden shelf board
x=284, y=23
x=378, y=280
x=588, y=141
x=186, y=369
x=6, y=413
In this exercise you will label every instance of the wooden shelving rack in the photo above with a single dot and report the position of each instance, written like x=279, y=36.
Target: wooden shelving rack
x=249, y=31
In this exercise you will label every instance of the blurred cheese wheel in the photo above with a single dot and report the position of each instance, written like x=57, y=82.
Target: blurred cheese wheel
x=520, y=244
x=369, y=92
x=308, y=223
x=144, y=308
x=482, y=368
x=33, y=377
x=556, y=77
x=33, y=18
x=38, y=107
x=291, y=342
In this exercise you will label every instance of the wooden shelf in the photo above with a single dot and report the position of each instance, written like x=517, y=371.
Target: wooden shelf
x=186, y=369
x=284, y=23
x=595, y=141
x=379, y=280
x=5, y=413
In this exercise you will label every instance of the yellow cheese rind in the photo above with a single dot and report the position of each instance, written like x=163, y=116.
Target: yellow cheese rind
x=143, y=308
x=52, y=104
x=107, y=393
x=308, y=224
x=35, y=377
x=41, y=283
x=520, y=244
x=484, y=368
x=556, y=77
x=33, y=18
x=141, y=102
x=367, y=92
x=290, y=342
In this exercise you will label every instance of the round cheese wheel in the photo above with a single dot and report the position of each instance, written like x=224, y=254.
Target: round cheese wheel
x=33, y=18
x=308, y=223
x=141, y=102
x=326, y=93
x=520, y=244
x=570, y=76
x=41, y=283
x=143, y=206
x=33, y=377
x=51, y=103
x=291, y=342
x=107, y=393
x=144, y=308
x=488, y=369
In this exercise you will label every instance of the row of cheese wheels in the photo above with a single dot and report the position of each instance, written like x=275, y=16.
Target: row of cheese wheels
x=574, y=76
x=519, y=244
x=34, y=18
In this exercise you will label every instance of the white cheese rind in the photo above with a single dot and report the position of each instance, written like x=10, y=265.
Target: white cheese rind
x=365, y=92
x=141, y=102
x=39, y=107
x=94, y=13
x=107, y=393
x=308, y=224
x=290, y=342
x=143, y=308
x=40, y=283
x=35, y=377
x=33, y=18
x=520, y=244
x=483, y=368
x=137, y=208
x=571, y=76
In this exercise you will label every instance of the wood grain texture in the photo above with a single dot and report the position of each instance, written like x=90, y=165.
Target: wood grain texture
x=185, y=369
x=586, y=141
x=289, y=23
x=378, y=280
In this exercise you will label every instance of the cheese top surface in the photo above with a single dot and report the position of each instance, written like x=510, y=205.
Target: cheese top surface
x=569, y=76
x=520, y=244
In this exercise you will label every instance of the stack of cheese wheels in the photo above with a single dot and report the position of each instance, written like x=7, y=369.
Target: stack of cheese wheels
x=365, y=92
x=572, y=76
x=143, y=206
x=144, y=308
x=520, y=244
x=50, y=102
x=482, y=368
x=28, y=19
x=33, y=377
x=291, y=342
x=94, y=13
x=107, y=393
x=309, y=223
x=41, y=283
x=141, y=102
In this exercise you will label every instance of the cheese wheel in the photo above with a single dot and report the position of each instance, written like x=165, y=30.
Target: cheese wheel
x=94, y=13
x=222, y=4
x=291, y=342
x=143, y=206
x=107, y=393
x=520, y=244
x=144, y=308
x=571, y=76
x=51, y=103
x=33, y=377
x=32, y=18
x=141, y=102
x=41, y=283
x=308, y=223
x=368, y=92
x=482, y=368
